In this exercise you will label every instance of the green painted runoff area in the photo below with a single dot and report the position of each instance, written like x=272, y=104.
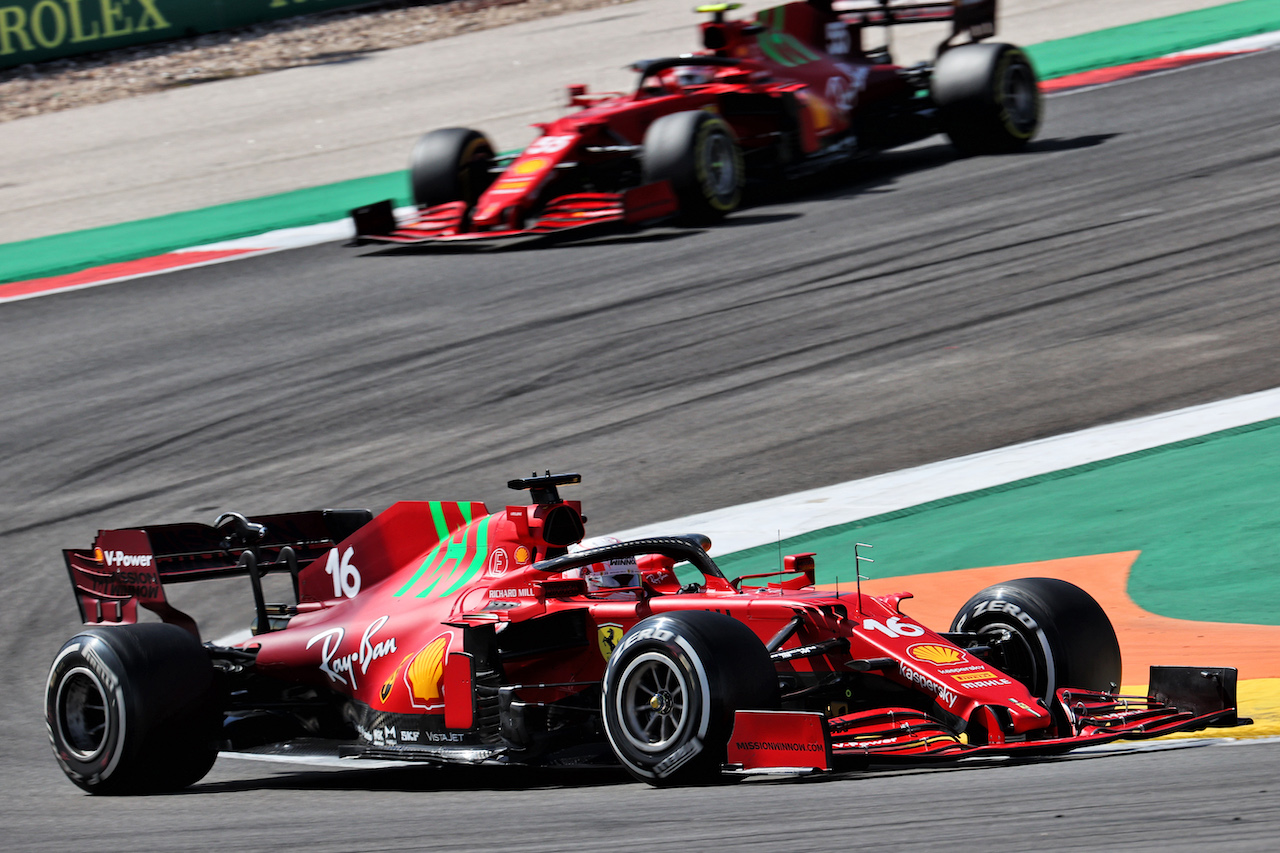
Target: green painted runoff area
x=1204, y=512
x=67, y=253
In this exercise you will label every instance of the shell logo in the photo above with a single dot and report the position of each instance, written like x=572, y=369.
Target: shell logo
x=932, y=653
x=98, y=556
x=528, y=167
x=425, y=675
x=522, y=555
x=820, y=110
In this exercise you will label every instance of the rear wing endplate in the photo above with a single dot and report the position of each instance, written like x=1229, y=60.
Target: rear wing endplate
x=127, y=568
x=975, y=18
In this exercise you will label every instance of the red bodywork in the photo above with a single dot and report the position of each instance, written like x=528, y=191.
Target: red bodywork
x=795, y=85
x=439, y=631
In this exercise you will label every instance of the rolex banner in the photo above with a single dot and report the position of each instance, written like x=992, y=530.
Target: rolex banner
x=36, y=30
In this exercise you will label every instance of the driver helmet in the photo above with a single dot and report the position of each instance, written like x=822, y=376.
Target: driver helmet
x=693, y=75
x=611, y=574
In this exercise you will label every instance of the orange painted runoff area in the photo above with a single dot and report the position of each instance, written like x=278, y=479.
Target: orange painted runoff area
x=1145, y=638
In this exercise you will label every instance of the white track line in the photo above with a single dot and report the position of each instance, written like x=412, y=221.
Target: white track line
x=761, y=522
x=286, y=238
x=327, y=232
x=1263, y=41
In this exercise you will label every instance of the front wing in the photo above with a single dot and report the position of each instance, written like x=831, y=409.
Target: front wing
x=774, y=741
x=447, y=223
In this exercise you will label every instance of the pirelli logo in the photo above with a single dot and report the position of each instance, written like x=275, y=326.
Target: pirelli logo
x=981, y=675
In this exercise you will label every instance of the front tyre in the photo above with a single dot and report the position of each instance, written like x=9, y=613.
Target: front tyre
x=987, y=96
x=671, y=691
x=1049, y=634
x=450, y=164
x=131, y=709
x=699, y=154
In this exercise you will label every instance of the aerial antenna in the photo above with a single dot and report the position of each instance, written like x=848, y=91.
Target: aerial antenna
x=858, y=560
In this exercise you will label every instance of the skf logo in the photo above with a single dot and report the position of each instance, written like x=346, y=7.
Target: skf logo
x=607, y=636
x=932, y=653
x=425, y=675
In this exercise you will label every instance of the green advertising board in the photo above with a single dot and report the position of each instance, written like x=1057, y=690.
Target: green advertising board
x=38, y=30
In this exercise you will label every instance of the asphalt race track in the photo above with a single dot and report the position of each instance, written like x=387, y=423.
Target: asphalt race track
x=914, y=308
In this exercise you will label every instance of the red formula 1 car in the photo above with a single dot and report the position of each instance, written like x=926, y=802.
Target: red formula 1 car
x=439, y=632
x=784, y=95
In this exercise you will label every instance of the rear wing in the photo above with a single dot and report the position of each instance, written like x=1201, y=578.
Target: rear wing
x=127, y=568
x=974, y=18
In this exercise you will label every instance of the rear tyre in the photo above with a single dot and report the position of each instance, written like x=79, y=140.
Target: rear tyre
x=132, y=709
x=987, y=96
x=450, y=164
x=671, y=690
x=1059, y=635
x=699, y=154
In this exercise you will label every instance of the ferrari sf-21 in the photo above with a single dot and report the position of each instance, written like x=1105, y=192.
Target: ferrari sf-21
x=774, y=98
x=440, y=632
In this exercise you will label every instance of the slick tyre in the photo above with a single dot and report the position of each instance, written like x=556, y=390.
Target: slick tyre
x=132, y=709
x=699, y=154
x=987, y=96
x=671, y=690
x=1059, y=635
x=450, y=164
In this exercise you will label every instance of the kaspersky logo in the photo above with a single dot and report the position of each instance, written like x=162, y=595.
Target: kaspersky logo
x=934, y=653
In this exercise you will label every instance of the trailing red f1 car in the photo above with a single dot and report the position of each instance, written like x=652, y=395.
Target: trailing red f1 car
x=442, y=633
x=784, y=95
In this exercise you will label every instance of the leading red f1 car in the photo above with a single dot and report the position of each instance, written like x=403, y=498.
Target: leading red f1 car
x=439, y=632
x=778, y=97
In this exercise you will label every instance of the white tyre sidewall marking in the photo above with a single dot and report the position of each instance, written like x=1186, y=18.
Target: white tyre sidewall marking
x=89, y=665
x=704, y=721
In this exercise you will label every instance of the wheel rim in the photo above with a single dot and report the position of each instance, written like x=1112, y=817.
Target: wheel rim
x=471, y=166
x=81, y=707
x=722, y=172
x=1019, y=659
x=1019, y=100
x=653, y=703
